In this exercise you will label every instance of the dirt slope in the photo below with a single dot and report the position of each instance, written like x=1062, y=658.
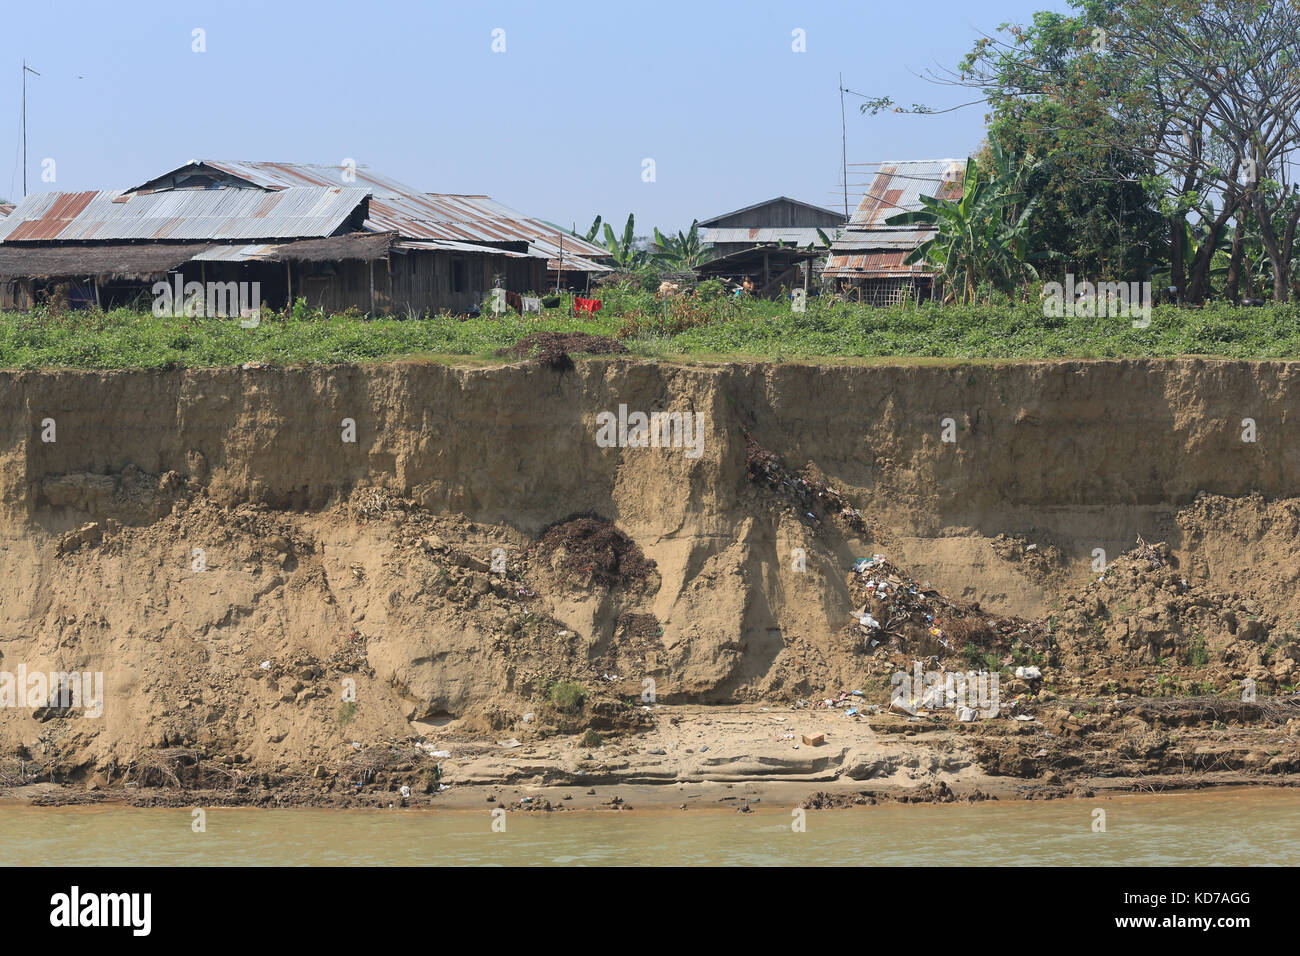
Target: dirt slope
x=373, y=560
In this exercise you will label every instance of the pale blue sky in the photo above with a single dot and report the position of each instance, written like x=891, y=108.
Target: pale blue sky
x=558, y=125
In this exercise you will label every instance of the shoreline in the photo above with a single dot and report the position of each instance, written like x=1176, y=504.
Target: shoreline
x=769, y=795
x=732, y=756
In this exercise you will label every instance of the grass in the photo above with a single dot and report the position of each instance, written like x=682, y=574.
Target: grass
x=686, y=329
x=568, y=697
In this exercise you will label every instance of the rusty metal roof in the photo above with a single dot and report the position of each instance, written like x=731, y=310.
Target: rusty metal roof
x=410, y=212
x=867, y=247
x=899, y=186
x=183, y=214
x=874, y=265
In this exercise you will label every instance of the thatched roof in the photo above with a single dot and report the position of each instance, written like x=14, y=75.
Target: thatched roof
x=142, y=261
x=117, y=260
x=355, y=245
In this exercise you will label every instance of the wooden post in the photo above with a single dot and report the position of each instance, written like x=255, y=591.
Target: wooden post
x=372, y=286
x=288, y=284
x=560, y=271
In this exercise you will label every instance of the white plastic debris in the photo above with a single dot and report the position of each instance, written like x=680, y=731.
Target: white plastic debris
x=966, y=714
x=1028, y=673
x=265, y=665
x=405, y=791
x=868, y=621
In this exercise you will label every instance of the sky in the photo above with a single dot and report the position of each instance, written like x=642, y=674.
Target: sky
x=558, y=121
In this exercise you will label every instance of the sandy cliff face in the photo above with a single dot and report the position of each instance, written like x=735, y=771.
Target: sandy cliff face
x=373, y=560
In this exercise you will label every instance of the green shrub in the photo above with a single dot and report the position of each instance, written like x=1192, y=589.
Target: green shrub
x=710, y=289
x=568, y=697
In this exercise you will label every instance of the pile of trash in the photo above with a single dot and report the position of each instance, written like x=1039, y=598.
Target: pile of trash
x=808, y=495
x=901, y=614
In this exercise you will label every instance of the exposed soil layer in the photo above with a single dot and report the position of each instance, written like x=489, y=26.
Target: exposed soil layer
x=321, y=586
x=554, y=348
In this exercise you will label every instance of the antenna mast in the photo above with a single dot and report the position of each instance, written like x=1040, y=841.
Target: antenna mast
x=844, y=149
x=26, y=69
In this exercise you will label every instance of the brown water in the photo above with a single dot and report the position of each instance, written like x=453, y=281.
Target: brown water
x=1244, y=827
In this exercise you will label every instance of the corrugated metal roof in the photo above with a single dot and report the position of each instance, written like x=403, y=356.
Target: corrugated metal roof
x=899, y=186
x=889, y=237
x=874, y=265
x=571, y=249
x=230, y=214
x=575, y=264
x=6, y=208
x=867, y=247
x=235, y=253
x=790, y=235
x=415, y=214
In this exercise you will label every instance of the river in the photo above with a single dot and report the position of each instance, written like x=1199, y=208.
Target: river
x=1242, y=827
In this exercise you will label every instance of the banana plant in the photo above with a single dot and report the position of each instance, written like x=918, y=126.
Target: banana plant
x=591, y=233
x=683, y=251
x=623, y=250
x=973, y=242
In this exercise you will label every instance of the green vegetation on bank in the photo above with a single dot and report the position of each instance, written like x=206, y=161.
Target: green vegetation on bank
x=694, y=325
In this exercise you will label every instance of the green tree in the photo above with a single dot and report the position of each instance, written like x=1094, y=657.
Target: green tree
x=1199, y=97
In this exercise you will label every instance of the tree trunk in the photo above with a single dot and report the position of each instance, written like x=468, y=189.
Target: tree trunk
x=1231, y=290
x=1177, y=265
x=1288, y=242
x=1200, y=281
x=1281, y=289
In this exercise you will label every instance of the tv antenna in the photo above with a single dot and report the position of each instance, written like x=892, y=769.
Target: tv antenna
x=26, y=69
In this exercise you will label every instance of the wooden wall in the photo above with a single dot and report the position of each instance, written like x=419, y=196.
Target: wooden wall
x=416, y=283
x=777, y=215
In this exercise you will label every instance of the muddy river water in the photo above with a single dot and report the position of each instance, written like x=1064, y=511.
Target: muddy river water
x=1240, y=827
